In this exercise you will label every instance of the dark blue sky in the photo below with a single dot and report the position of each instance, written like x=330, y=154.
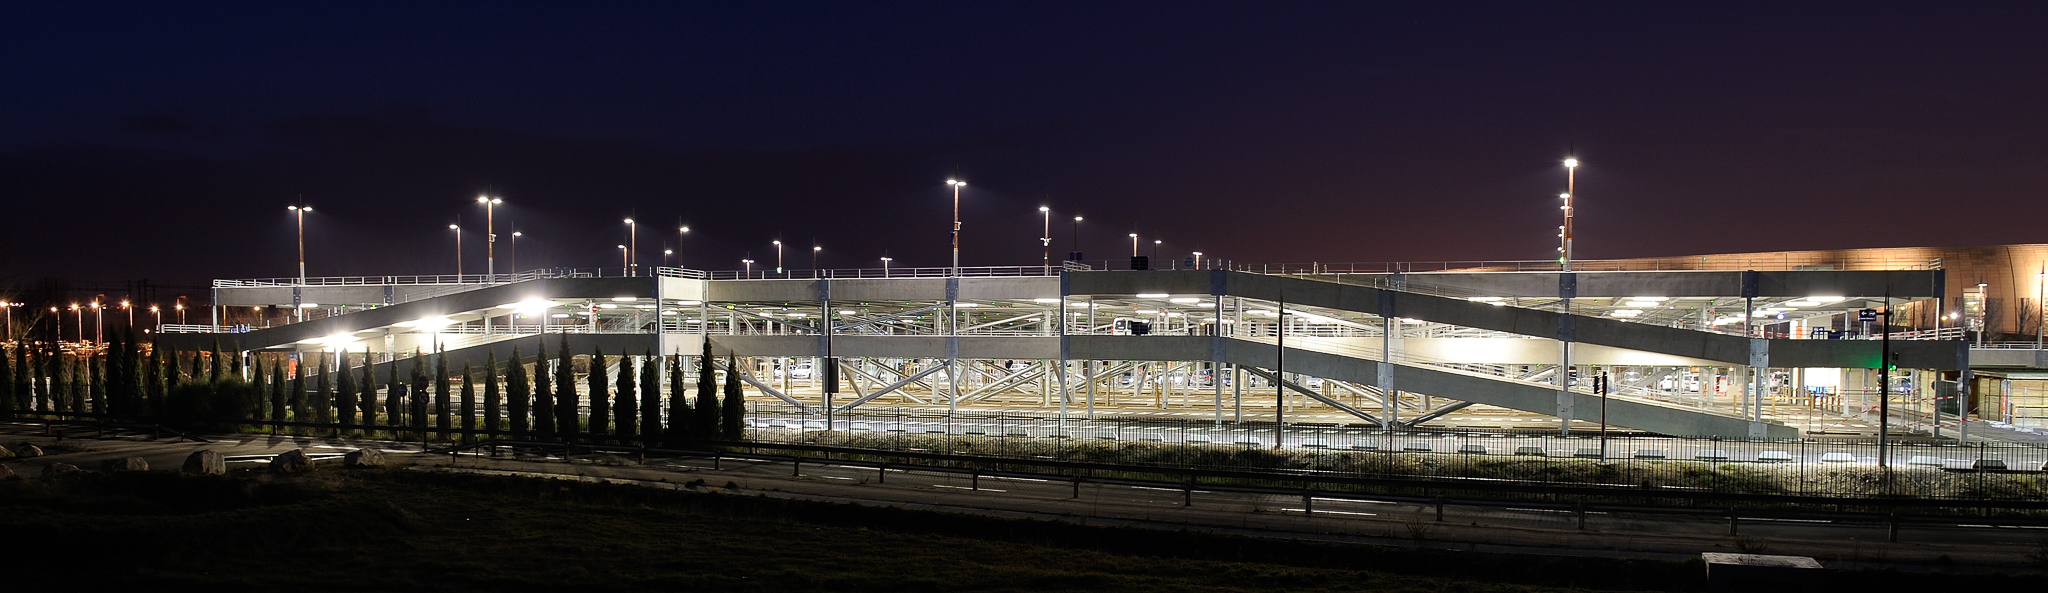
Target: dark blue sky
x=164, y=140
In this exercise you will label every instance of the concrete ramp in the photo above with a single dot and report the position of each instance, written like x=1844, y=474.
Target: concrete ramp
x=1528, y=397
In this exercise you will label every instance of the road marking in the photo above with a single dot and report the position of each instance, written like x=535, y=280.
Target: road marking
x=1335, y=512
x=966, y=488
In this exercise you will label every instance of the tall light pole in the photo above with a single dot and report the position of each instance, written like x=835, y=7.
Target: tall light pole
x=159, y=313
x=682, y=232
x=99, y=324
x=885, y=266
x=1155, y=250
x=1134, y=244
x=957, y=184
x=301, y=211
x=490, y=239
x=81, y=321
x=1564, y=251
x=512, y=250
x=131, y=314
x=1077, y=234
x=458, y=251
x=625, y=260
x=778, y=255
x=814, y=256
x=1198, y=260
x=10, y=319
x=750, y=267
x=665, y=253
x=181, y=312
x=1046, y=258
x=632, y=246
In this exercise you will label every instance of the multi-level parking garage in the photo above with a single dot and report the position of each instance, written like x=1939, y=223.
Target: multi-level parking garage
x=1381, y=351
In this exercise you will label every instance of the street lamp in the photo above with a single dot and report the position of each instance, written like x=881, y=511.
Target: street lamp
x=1134, y=244
x=682, y=232
x=1046, y=258
x=99, y=323
x=633, y=240
x=664, y=256
x=512, y=250
x=490, y=238
x=1198, y=260
x=1155, y=249
x=458, y=251
x=131, y=314
x=301, y=211
x=778, y=255
x=885, y=266
x=159, y=313
x=750, y=267
x=625, y=260
x=814, y=256
x=81, y=322
x=957, y=184
x=1564, y=251
x=10, y=318
x=181, y=312
x=1077, y=234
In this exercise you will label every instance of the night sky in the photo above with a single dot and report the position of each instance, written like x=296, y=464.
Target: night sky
x=164, y=140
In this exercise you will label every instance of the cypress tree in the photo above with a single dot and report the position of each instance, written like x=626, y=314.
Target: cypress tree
x=566, y=422
x=491, y=394
x=706, y=414
x=277, y=387
x=521, y=394
x=732, y=407
x=600, y=394
x=418, y=409
x=543, y=397
x=443, y=406
x=235, y=364
x=468, y=400
x=60, y=384
x=7, y=397
x=216, y=364
x=154, y=377
x=129, y=396
x=366, y=390
x=80, y=382
x=42, y=384
x=344, y=393
x=262, y=383
x=650, y=399
x=96, y=381
x=17, y=378
x=301, y=412
x=323, y=398
x=394, y=398
x=628, y=410
x=679, y=421
x=113, y=376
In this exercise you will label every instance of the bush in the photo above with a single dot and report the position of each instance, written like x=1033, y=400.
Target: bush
x=211, y=405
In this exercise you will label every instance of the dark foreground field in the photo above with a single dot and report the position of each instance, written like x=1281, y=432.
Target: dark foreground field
x=410, y=530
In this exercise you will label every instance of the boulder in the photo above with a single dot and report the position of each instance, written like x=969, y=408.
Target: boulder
x=6, y=454
x=28, y=450
x=205, y=462
x=125, y=464
x=363, y=458
x=294, y=461
x=58, y=469
x=5, y=473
